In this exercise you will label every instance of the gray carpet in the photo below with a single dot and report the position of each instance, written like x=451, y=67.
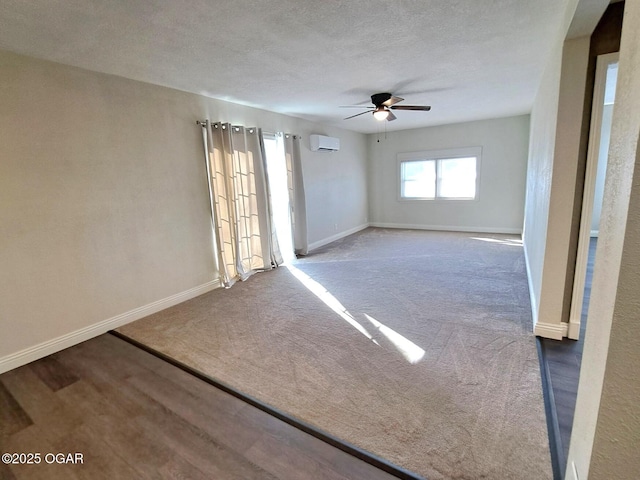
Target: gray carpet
x=416, y=346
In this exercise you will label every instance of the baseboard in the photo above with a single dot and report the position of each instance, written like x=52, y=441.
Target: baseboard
x=573, y=332
x=337, y=236
x=30, y=354
x=555, y=331
x=448, y=228
x=532, y=295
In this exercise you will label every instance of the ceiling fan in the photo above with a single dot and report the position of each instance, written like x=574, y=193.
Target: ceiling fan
x=383, y=104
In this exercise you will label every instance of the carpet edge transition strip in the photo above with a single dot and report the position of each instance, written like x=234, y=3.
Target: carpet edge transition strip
x=346, y=447
x=553, y=426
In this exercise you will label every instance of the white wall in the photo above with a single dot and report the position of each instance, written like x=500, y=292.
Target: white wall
x=605, y=439
x=540, y=164
x=500, y=203
x=335, y=187
x=103, y=199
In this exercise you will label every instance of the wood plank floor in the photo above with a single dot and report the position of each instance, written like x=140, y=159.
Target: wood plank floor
x=563, y=359
x=133, y=415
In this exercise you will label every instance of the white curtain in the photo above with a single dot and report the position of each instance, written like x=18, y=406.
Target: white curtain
x=238, y=186
x=296, y=193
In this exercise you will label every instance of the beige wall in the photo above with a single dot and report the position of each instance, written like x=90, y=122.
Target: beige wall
x=500, y=203
x=605, y=440
x=103, y=199
x=605, y=136
x=556, y=151
x=557, y=277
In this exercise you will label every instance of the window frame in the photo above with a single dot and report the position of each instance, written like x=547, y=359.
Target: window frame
x=435, y=155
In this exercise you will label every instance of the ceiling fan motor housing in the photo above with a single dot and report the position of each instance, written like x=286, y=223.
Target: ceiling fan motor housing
x=379, y=98
x=383, y=104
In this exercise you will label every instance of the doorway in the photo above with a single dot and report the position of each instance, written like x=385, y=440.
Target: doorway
x=598, y=150
x=279, y=193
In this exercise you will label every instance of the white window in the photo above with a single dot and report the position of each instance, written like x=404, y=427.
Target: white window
x=442, y=174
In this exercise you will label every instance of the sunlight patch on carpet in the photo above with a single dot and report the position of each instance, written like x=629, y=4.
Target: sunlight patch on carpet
x=329, y=300
x=409, y=350
x=512, y=242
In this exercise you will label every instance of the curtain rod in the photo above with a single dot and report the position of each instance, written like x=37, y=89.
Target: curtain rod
x=203, y=124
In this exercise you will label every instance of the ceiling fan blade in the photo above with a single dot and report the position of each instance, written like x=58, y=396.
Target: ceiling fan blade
x=391, y=117
x=355, y=106
x=357, y=115
x=424, y=108
x=392, y=101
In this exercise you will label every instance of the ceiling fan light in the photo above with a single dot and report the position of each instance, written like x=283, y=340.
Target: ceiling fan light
x=381, y=114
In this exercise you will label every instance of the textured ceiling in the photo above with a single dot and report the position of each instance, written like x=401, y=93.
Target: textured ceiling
x=468, y=59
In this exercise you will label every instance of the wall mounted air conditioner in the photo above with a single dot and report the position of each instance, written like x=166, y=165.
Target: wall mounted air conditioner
x=320, y=143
